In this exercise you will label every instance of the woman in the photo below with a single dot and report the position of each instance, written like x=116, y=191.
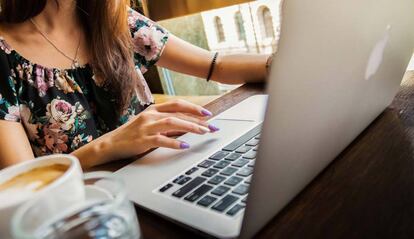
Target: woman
x=71, y=81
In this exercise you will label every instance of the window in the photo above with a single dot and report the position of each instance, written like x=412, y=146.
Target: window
x=241, y=32
x=219, y=29
x=266, y=23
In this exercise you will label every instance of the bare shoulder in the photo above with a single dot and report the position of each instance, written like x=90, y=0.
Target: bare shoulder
x=18, y=33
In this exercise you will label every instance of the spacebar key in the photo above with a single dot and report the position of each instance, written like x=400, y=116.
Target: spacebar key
x=188, y=187
x=243, y=139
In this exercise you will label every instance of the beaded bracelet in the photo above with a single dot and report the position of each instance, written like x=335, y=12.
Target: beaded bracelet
x=213, y=63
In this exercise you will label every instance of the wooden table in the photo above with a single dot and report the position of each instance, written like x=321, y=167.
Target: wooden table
x=199, y=100
x=366, y=192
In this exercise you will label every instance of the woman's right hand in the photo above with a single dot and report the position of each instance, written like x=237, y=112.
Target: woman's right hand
x=151, y=128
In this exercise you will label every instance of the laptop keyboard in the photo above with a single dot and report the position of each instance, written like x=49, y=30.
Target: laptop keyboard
x=221, y=182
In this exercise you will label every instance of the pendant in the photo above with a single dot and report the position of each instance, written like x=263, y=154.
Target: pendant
x=75, y=64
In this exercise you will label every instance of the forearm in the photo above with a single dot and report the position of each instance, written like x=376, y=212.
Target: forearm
x=183, y=57
x=94, y=153
x=240, y=68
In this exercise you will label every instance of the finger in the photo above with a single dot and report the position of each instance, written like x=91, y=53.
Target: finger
x=188, y=117
x=191, y=118
x=183, y=106
x=173, y=133
x=175, y=124
x=154, y=116
x=163, y=141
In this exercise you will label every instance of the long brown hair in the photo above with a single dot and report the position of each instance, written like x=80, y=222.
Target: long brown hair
x=108, y=38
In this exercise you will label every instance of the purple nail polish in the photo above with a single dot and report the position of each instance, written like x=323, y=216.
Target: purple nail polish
x=213, y=128
x=206, y=112
x=184, y=145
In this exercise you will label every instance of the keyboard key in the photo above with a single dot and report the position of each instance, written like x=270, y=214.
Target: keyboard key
x=178, y=178
x=198, y=193
x=248, y=181
x=219, y=155
x=233, y=156
x=242, y=189
x=252, y=162
x=191, y=171
x=233, y=181
x=243, y=139
x=220, y=190
x=243, y=149
x=225, y=202
x=245, y=172
x=206, y=164
x=183, y=180
x=228, y=171
x=240, y=163
x=235, y=209
x=206, y=201
x=217, y=179
x=244, y=200
x=256, y=148
x=252, y=142
x=210, y=172
x=221, y=164
x=188, y=187
x=166, y=187
x=250, y=155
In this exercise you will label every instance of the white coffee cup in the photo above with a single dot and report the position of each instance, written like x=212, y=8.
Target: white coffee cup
x=63, y=192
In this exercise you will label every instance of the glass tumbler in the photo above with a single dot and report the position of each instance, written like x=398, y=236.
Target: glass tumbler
x=105, y=213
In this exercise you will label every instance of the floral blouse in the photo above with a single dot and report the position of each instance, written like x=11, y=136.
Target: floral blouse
x=63, y=109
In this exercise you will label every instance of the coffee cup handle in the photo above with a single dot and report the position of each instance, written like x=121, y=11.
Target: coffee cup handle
x=97, y=174
x=99, y=180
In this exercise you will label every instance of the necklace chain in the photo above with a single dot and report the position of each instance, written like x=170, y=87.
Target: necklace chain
x=74, y=60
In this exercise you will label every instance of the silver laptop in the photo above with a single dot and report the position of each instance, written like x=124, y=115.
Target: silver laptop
x=338, y=66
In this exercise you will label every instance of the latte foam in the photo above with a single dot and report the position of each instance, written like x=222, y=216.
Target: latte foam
x=28, y=183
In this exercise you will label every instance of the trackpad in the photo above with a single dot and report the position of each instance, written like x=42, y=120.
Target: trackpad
x=229, y=130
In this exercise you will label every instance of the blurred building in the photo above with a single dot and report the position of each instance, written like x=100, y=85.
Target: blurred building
x=251, y=27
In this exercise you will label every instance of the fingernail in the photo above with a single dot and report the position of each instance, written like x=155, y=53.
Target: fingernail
x=184, y=145
x=205, y=129
x=206, y=112
x=213, y=128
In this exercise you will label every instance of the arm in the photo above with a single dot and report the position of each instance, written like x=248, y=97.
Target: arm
x=14, y=145
x=186, y=58
x=150, y=129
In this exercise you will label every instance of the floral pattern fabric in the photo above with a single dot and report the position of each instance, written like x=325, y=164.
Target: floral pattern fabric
x=64, y=109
